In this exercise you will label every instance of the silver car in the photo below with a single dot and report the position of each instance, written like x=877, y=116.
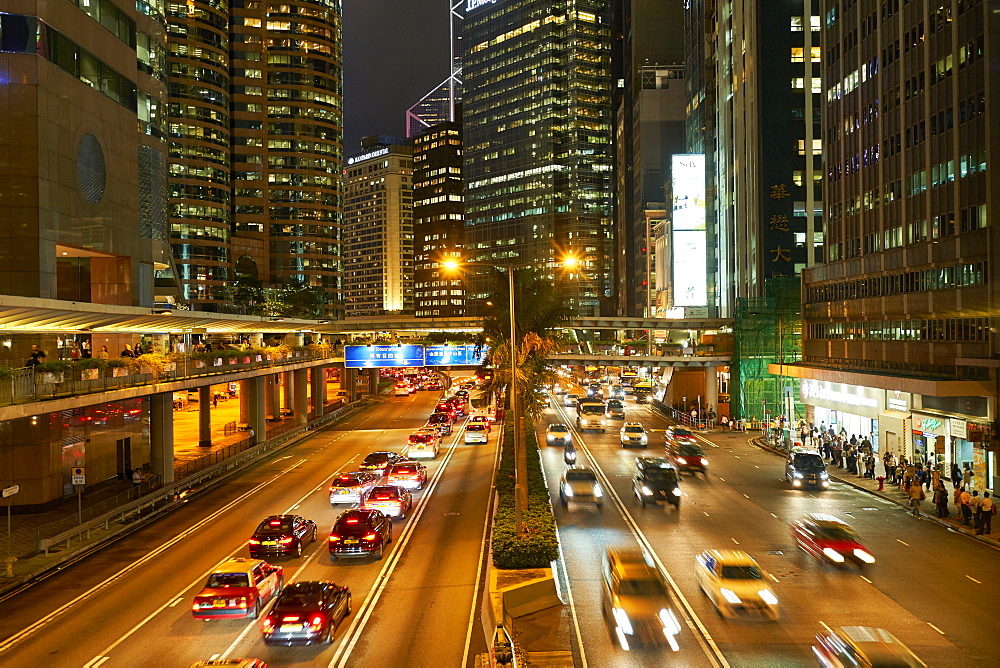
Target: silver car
x=579, y=484
x=352, y=487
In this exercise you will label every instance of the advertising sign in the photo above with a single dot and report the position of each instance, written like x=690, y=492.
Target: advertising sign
x=364, y=357
x=689, y=250
x=453, y=355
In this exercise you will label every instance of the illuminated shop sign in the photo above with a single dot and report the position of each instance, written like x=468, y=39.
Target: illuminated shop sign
x=839, y=396
x=689, y=252
x=368, y=156
x=476, y=4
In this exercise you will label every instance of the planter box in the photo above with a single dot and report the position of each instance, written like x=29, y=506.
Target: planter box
x=145, y=371
x=170, y=366
x=89, y=374
x=260, y=358
x=233, y=360
x=217, y=361
x=52, y=378
x=199, y=364
x=119, y=372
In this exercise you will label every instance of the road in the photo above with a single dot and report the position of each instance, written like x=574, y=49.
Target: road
x=931, y=587
x=129, y=604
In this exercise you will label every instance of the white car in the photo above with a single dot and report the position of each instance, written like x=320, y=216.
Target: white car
x=736, y=585
x=424, y=444
x=579, y=484
x=352, y=487
x=633, y=433
x=402, y=391
x=571, y=400
x=476, y=432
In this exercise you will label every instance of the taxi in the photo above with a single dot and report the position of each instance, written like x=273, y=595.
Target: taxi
x=239, y=587
x=424, y=444
x=481, y=419
x=735, y=584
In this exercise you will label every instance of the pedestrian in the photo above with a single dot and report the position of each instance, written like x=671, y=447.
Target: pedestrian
x=866, y=445
x=956, y=476
x=854, y=440
x=215, y=400
x=975, y=505
x=137, y=477
x=916, y=494
x=989, y=509
x=967, y=476
x=127, y=351
x=103, y=354
x=870, y=465
x=37, y=356
x=941, y=499
x=724, y=421
x=965, y=505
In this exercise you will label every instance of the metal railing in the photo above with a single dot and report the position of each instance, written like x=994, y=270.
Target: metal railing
x=27, y=385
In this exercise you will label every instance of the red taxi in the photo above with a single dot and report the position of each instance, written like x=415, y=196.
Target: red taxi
x=239, y=587
x=828, y=539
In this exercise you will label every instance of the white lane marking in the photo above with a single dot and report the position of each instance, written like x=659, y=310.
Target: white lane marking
x=755, y=466
x=722, y=479
x=774, y=516
x=828, y=629
x=904, y=543
x=96, y=661
x=746, y=496
x=773, y=578
x=350, y=639
x=866, y=579
x=712, y=651
x=735, y=541
x=177, y=600
x=572, y=607
x=482, y=558
x=974, y=579
x=29, y=630
x=706, y=514
x=935, y=628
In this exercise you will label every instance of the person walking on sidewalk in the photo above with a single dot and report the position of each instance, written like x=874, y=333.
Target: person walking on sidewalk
x=964, y=505
x=941, y=499
x=989, y=509
x=956, y=476
x=916, y=494
x=975, y=504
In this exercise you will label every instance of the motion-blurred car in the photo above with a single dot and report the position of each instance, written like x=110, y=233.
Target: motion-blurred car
x=239, y=587
x=391, y=500
x=423, y=444
x=558, y=434
x=830, y=540
x=279, y=535
x=637, y=607
x=359, y=533
x=684, y=453
x=805, y=468
x=735, y=584
x=306, y=613
x=857, y=646
x=571, y=400
x=616, y=409
x=617, y=392
x=460, y=404
x=442, y=422
x=231, y=663
x=633, y=433
x=579, y=484
x=379, y=462
x=445, y=407
x=656, y=481
x=401, y=390
x=352, y=487
x=476, y=432
x=409, y=475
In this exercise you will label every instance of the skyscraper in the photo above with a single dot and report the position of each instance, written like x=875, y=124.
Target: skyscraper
x=439, y=105
x=378, y=229
x=438, y=220
x=256, y=144
x=537, y=131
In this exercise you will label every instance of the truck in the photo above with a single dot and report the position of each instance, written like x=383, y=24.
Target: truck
x=592, y=414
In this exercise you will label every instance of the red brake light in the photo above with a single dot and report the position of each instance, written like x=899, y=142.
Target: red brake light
x=286, y=540
x=334, y=538
x=268, y=622
x=352, y=520
x=275, y=523
x=254, y=541
x=369, y=536
x=316, y=623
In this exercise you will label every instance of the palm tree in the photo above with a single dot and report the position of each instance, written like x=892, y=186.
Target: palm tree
x=539, y=312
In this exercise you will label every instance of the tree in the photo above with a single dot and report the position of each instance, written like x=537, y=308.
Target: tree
x=539, y=312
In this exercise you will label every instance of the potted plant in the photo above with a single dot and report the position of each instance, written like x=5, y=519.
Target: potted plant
x=52, y=372
x=150, y=364
x=90, y=368
x=6, y=373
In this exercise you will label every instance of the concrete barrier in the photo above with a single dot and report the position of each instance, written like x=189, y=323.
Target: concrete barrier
x=525, y=591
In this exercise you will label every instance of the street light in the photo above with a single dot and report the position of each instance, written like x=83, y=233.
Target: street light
x=520, y=455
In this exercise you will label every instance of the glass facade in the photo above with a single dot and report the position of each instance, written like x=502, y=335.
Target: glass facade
x=536, y=117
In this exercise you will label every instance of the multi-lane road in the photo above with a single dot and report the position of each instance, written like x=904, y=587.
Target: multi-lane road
x=934, y=589
x=129, y=604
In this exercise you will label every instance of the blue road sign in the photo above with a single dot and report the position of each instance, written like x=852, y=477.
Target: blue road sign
x=454, y=355
x=362, y=357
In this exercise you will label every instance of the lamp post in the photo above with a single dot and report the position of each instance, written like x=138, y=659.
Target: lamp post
x=520, y=454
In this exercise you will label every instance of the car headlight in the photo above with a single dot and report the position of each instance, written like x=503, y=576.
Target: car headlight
x=826, y=483
x=568, y=491
x=598, y=492
x=677, y=491
x=603, y=421
x=647, y=491
x=824, y=475
x=864, y=556
x=670, y=623
x=768, y=596
x=551, y=437
x=704, y=462
x=796, y=475
x=797, y=483
x=644, y=439
x=730, y=595
x=622, y=620
x=833, y=555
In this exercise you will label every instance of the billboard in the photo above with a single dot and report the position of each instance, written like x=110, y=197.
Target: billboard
x=688, y=239
x=454, y=355
x=364, y=357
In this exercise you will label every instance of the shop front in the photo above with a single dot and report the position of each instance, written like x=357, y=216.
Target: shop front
x=849, y=410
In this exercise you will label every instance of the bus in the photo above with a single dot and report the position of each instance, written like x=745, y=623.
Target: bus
x=592, y=414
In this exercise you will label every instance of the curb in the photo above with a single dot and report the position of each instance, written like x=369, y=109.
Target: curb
x=757, y=442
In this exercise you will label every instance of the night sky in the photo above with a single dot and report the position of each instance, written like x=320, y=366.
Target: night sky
x=395, y=51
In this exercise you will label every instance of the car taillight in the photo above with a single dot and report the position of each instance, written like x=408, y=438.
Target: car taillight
x=242, y=603
x=267, y=623
x=196, y=606
x=334, y=538
x=316, y=623
x=254, y=541
x=369, y=536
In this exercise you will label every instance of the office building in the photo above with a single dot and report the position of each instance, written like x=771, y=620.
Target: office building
x=256, y=145
x=537, y=130
x=440, y=104
x=438, y=221
x=378, y=229
x=898, y=326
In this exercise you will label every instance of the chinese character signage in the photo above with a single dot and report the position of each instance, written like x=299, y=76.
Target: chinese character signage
x=454, y=355
x=362, y=357
x=689, y=251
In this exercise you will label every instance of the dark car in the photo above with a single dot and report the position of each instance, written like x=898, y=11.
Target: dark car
x=442, y=422
x=360, y=533
x=306, y=613
x=684, y=452
x=282, y=534
x=616, y=409
x=656, y=481
x=380, y=461
x=445, y=407
x=459, y=404
x=805, y=468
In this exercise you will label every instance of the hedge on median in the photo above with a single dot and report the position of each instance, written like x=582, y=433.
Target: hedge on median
x=538, y=545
